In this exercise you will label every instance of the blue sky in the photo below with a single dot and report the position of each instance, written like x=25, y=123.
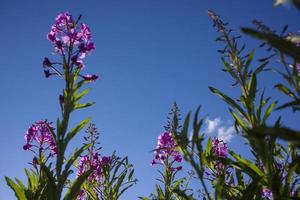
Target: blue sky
x=149, y=53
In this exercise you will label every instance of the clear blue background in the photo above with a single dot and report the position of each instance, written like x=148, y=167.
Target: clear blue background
x=149, y=53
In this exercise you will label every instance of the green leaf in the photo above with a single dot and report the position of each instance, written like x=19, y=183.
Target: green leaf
x=76, y=129
x=252, y=86
x=160, y=193
x=182, y=138
x=19, y=192
x=247, y=64
x=219, y=187
x=74, y=190
x=239, y=121
x=79, y=85
x=286, y=134
x=183, y=195
x=268, y=112
x=262, y=103
x=260, y=68
x=81, y=94
x=228, y=100
x=83, y=105
x=51, y=189
x=144, y=198
x=294, y=104
x=282, y=88
x=282, y=45
x=229, y=69
x=71, y=160
x=247, y=166
x=251, y=190
x=117, y=186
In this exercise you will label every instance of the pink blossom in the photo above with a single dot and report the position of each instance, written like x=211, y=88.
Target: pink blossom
x=65, y=33
x=39, y=135
x=70, y=40
x=220, y=148
x=166, y=149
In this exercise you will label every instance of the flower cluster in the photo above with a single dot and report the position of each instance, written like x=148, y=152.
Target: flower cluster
x=66, y=34
x=39, y=135
x=72, y=41
x=94, y=162
x=219, y=148
x=165, y=149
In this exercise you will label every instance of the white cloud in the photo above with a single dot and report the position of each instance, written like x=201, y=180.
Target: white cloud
x=225, y=133
x=212, y=125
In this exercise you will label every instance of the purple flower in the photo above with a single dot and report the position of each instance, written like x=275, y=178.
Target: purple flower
x=39, y=135
x=70, y=40
x=51, y=36
x=46, y=62
x=166, y=149
x=298, y=67
x=61, y=99
x=64, y=20
x=153, y=162
x=105, y=160
x=89, y=77
x=85, y=33
x=81, y=195
x=95, y=162
x=77, y=62
x=260, y=165
x=220, y=148
x=66, y=33
x=90, y=162
x=267, y=194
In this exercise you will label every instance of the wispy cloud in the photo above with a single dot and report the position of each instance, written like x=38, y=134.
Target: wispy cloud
x=224, y=131
x=212, y=125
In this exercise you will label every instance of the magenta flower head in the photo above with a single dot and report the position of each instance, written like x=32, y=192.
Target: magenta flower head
x=90, y=162
x=105, y=160
x=166, y=150
x=71, y=39
x=66, y=33
x=220, y=148
x=38, y=135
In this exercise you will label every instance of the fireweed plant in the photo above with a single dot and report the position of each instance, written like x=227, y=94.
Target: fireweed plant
x=167, y=156
x=274, y=171
x=111, y=175
x=49, y=176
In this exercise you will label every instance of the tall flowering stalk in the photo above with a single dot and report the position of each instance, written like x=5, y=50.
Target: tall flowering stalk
x=169, y=158
x=251, y=117
x=167, y=155
x=111, y=176
x=231, y=176
x=91, y=161
x=72, y=41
